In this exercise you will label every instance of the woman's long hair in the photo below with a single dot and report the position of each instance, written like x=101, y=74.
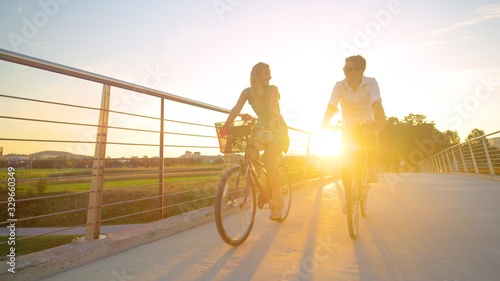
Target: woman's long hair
x=257, y=91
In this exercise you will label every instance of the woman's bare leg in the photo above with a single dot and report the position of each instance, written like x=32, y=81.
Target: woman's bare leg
x=269, y=159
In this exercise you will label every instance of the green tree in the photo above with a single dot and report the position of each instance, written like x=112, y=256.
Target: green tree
x=134, y=161
x=416, y=119
x=475, y=133
x=412, y=139
x=452, y=137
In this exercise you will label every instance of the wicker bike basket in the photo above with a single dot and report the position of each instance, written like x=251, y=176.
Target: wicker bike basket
x=236, y=138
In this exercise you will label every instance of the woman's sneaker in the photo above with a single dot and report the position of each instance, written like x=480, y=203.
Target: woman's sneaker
x=276, y=209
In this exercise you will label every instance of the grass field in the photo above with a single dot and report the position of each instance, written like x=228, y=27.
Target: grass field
x=195, y=186
x=35, y=244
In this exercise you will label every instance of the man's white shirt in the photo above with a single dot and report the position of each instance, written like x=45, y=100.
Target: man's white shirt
x=357, y=107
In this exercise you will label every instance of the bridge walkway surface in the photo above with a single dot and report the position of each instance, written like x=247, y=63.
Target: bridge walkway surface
x=419, y=227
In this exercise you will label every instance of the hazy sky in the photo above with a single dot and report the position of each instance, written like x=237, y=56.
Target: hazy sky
x=437, y=58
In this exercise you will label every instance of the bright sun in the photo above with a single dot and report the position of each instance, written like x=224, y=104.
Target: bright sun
x=326, y=143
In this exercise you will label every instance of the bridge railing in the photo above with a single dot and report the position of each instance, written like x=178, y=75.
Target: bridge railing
x=89, y=188
x=480, y=155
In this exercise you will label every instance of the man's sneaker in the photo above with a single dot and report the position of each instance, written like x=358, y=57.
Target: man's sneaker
x=372, y=175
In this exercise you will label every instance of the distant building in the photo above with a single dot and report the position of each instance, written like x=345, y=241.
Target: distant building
x=187, y=154
x=47, y=156
x=204, y=158
x=1, y=151
x=19, y=160
x=211, y=158
x=495, y=141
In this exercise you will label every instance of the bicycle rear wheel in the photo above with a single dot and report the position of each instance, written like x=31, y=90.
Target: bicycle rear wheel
x=351, y=186
x=286, y=192
x=364, y=196
x=234, y=207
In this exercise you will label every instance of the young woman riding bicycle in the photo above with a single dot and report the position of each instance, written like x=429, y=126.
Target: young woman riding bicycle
x=272, y=132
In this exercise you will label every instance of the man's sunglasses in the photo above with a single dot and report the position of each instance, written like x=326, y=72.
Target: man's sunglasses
x=349, y=69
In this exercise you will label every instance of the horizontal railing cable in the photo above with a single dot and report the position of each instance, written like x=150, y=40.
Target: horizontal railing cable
x=49, y=178
x=78, y=73
x=49, y=196
x=47, y=215
x=148, y=185
x=112, y=143
x=156, y=196
x=47, y=233
x=94, y=108
x=156, y=209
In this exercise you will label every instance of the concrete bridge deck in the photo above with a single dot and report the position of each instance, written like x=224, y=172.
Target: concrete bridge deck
x=419, y=227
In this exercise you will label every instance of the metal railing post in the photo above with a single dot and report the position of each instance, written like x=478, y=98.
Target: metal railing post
x=306, y=168
x=444, y=163
x=488, y=158
x=227, y=162
x=161, y=162
x=93, y=229
x=463, y=159
x=473, y=159
x=439, y=166
x=449, y=162
x=455, y=163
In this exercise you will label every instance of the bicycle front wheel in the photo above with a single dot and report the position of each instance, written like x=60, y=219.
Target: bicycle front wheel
x=234, y=207
x=285, y=191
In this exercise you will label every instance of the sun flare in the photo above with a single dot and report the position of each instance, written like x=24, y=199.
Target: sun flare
x=326, y=143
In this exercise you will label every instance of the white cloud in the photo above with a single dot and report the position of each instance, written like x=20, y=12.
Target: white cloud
x=482, y=14
x=489, y=11
x=424, y=45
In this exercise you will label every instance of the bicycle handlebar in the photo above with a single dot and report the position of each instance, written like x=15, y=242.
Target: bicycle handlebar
x=367, y=125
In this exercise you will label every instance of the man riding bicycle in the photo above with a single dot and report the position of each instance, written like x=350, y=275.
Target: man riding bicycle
x=360, y=100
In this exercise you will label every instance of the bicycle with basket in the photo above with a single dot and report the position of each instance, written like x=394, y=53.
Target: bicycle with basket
x=244, y=187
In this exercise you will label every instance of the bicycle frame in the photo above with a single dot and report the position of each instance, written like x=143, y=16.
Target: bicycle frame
x=357, y=156
x=354, y=176
x=250, y=169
